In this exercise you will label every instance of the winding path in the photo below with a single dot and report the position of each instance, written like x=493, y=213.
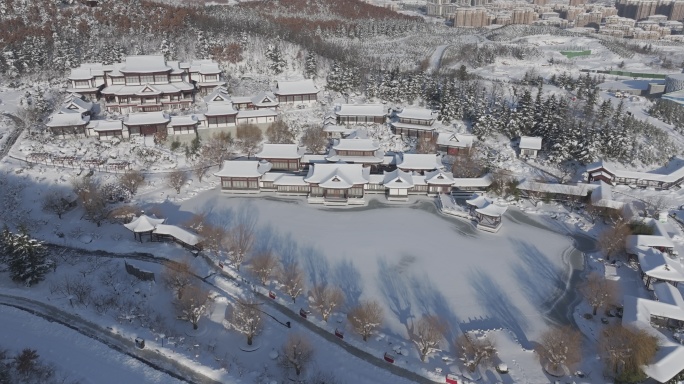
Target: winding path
x=436, y=58
x=112, y=340
x=13, y=136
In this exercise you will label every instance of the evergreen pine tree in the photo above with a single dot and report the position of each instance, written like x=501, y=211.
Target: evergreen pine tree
x=311, y=67
x=28, y=260
x=202, y=45
x=277, y=61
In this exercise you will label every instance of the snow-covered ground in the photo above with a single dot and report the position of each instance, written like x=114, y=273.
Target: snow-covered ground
x=79, y=357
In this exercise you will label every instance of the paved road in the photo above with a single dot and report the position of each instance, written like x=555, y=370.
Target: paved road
x=284, y=313
x=13, y=136
x=112, y=340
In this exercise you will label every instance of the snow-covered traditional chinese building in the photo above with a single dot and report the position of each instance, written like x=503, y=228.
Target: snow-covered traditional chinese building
x=438, y=181
x=283, y=157
x=296, y=92
x=337, y=184
x=263, y=100
x=107, y=129
x=145, y=83
x=360, y=113
x=415, y=122
x=421, y=163
x=146, y=123
x=455, y=143
x=603, y=172
x=397, y=183
x=68, y=123
x=220, y=115
x=205, y=74
x=183, y=125
x=256, y=116
x=359, y=151
x=242, y=176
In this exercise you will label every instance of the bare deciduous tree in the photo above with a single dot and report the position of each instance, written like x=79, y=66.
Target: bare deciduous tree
x=291, y=277
x=218, y=148
x=56, y=202
x=598, y=291
x=365, y=318
x=659, y=203
x=279, y=133
x=560, y=346
x=250, y=138
x=246, y=318
x=176, y=180
x=201, y=168
x=593, y=212
x=326, y=299
x=315, y=139
x=95, y=203
x=625, y=350
x=241, y=238
x=296, y=353
x=427, y=333
x=612, y=240
x=192, y=305
x=177, y=277
x=474, y=350
x=263, y=266
x=566, y=171
x=132, y=180
x=426, y=145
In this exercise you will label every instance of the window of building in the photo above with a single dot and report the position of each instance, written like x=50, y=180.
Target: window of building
x=132, y=80
x=161, y=79
x=146, y=79
x=82, y=83
x=118, y=80
x=210, y=77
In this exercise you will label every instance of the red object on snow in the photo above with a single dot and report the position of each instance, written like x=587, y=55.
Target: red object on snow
x=271, y=294
x=389, y=358
x=451, y=379
x=339, y=333
x=221, y=265
x=303, y=313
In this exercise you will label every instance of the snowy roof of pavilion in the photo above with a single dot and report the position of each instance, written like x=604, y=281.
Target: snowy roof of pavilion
x=177, y=232
x=473, y=182
x=634, y=241
x=67, y=120
x=479, y=201
x=530, y=142
x=439, y=177
x=145, y=118
x=492, y=210
x=143, y=223
x=338, y=175
x=658, y=265
x=243, y=168
x=256, y=113
x=338, y=128
x=220, y=109
x=360, y=110
x=669, y=359
x=147, y=89
x=676, y=166
x=279, y=151
x=419, y=161
x=602, y=196
x=419, y=127
x=105, y=125
x=86, y=71
x=290, y=180
x=356, y=144
x=300, y=87
x=397, y=179
x=204, y=66
x=175, y=67
x=145, y=64
x=77, y=104
x=417, y=114
x=265, y=99
x=181, y=121
x=563, y=189
x=461, y=140
x=218, y=95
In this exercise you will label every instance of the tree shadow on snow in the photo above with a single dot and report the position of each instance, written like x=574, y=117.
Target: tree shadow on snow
x=540, y=280
x=395, y=287
x=432, y=302
x=494, y=299
x=348, y=278
x=316, y=266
